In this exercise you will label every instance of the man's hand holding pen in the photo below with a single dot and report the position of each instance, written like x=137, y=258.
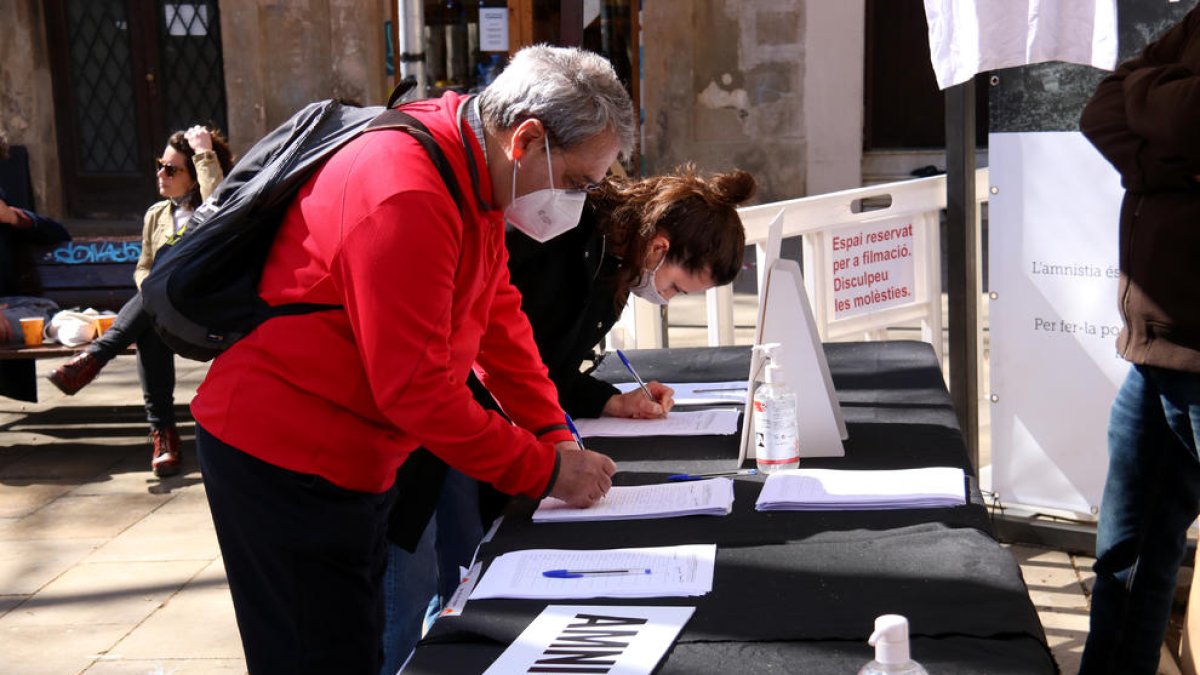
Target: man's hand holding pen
x=584, y=477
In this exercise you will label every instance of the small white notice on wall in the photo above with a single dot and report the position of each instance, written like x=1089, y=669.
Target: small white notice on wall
x=601, y=639
x=872, y=267
x=493, y=29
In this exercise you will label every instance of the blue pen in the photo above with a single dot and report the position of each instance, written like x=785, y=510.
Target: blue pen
x=574, y=431
x=578, y=574
x=637, y=377
x=677, y=477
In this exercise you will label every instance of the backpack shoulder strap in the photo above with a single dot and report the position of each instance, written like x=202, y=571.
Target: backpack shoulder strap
x=402, y=89
x=397, y=119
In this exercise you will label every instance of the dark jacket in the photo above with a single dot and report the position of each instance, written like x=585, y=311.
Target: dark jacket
x=31, y=229
x=1145, y=119
x=567, y=287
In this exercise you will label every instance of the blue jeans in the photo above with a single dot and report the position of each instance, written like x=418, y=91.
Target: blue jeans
x=1151, y=497
x=417, y=585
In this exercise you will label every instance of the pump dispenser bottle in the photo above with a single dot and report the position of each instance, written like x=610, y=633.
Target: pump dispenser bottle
x=776, y=442
x=891, y=648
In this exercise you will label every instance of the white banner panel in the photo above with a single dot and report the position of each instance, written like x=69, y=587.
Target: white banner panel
x=1054, y=321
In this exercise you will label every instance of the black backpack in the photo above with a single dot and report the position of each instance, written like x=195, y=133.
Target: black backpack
x=203, y=289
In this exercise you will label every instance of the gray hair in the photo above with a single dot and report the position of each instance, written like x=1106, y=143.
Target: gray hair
x=575, y=93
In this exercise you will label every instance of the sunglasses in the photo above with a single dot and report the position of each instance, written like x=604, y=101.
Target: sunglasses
x=169, y=169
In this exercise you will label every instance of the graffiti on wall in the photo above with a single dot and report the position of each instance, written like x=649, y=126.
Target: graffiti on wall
x=79, y=253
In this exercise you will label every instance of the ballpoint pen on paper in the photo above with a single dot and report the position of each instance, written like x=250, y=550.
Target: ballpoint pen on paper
x=577, y=574
x=629, y=367
x=716, y=389
x=574, y=431
x=676, y=477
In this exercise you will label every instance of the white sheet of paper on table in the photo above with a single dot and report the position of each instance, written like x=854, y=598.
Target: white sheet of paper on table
x=715, y=422
x=700, y=393
x=834, y=490
x=645, y=634
x=675, y=571
x=712, y=497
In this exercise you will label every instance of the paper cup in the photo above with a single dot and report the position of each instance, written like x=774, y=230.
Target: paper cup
x=104, y=322
x=32, y=328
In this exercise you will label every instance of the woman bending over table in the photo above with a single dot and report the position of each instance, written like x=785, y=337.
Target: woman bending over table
x=657, y=238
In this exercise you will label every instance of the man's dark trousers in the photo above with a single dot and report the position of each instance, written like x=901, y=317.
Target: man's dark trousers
x=305, y=561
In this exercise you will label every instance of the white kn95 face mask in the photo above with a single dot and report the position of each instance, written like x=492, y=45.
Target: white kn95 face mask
x=544, y=214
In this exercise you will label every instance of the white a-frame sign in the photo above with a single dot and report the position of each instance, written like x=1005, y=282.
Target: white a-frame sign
x=785, y=316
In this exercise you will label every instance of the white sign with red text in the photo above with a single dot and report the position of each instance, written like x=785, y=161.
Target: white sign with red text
x=872, y=267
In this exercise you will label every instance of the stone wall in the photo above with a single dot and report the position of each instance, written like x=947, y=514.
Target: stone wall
x=304, y=50
x=27, y=98
x=770, y=86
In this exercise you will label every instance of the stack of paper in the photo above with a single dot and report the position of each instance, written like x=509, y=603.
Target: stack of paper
x=830, y=490
x=653, y=572
x=713, y=497
x=718, y=421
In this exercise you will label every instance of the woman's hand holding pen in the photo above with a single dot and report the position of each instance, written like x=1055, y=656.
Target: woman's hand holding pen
x=584, y=477
x=634, y=404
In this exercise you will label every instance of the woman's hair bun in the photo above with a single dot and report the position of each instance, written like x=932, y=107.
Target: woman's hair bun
x=734, y=187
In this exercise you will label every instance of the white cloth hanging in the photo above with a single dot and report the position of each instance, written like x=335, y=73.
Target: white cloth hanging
x=971, y=36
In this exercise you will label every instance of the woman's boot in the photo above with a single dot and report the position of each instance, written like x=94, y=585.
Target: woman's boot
x=75, y=374
x=167, y=459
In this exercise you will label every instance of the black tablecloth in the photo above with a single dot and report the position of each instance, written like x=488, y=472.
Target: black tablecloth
x=798, y=591
x=962, y=655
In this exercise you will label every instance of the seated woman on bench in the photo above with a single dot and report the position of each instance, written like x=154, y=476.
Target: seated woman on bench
x=193, y=164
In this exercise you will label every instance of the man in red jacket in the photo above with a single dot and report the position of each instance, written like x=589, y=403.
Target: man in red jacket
x=1145, y=119
x=302, y=424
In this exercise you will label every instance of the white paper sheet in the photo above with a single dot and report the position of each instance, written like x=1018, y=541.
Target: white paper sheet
x=715, y=422
x=613, y=640
x=700, y=393
x=832, y=490
x=713, y=497
x=675, y=571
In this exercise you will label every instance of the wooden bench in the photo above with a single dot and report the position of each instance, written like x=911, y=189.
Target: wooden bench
x=94, y=272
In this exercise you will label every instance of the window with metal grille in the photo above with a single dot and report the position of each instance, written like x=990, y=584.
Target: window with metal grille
x=192, y=71
x=102, y=76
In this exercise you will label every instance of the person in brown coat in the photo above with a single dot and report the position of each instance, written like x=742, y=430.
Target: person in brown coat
x=1145, y=119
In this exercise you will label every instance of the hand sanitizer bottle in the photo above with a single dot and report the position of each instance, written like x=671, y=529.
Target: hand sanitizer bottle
x=776, y=444
x=891, y=648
